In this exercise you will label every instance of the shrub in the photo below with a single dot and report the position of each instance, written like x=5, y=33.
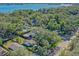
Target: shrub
x=20, y=52
x=19, y=40
x=1, y=41
x=7, y=44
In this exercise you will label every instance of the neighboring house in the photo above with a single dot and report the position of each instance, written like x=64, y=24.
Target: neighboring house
x=29, y=35
x=15, y=46
x=3, y=51
x=29, y=43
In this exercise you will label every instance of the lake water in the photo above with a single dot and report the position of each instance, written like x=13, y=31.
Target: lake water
x=11, y=7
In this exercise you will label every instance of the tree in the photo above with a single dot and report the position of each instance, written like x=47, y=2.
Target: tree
x=19, y=40
x=42, y=51
x=9, y=25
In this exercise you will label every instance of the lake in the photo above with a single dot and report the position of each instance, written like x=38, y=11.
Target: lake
x=7, y=8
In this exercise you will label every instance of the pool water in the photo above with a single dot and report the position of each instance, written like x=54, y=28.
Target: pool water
x=6, y=8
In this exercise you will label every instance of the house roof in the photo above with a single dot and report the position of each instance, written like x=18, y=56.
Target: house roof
x=29, y=42
x=2, y=51
x=15, y=46
x=28, y=34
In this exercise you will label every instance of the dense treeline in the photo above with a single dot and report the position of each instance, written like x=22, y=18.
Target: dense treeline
x=50, y=26
x=73, y=48
x=60, y=19
x=9, y=25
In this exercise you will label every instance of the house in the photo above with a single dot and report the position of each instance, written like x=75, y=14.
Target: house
x=3, y=51
x=15, y=46
x=29, y=43
x=29, y=35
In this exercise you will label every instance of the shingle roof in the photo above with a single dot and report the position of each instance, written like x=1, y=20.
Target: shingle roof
x=29, y=42
x=15, y=46
x=2, y=51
